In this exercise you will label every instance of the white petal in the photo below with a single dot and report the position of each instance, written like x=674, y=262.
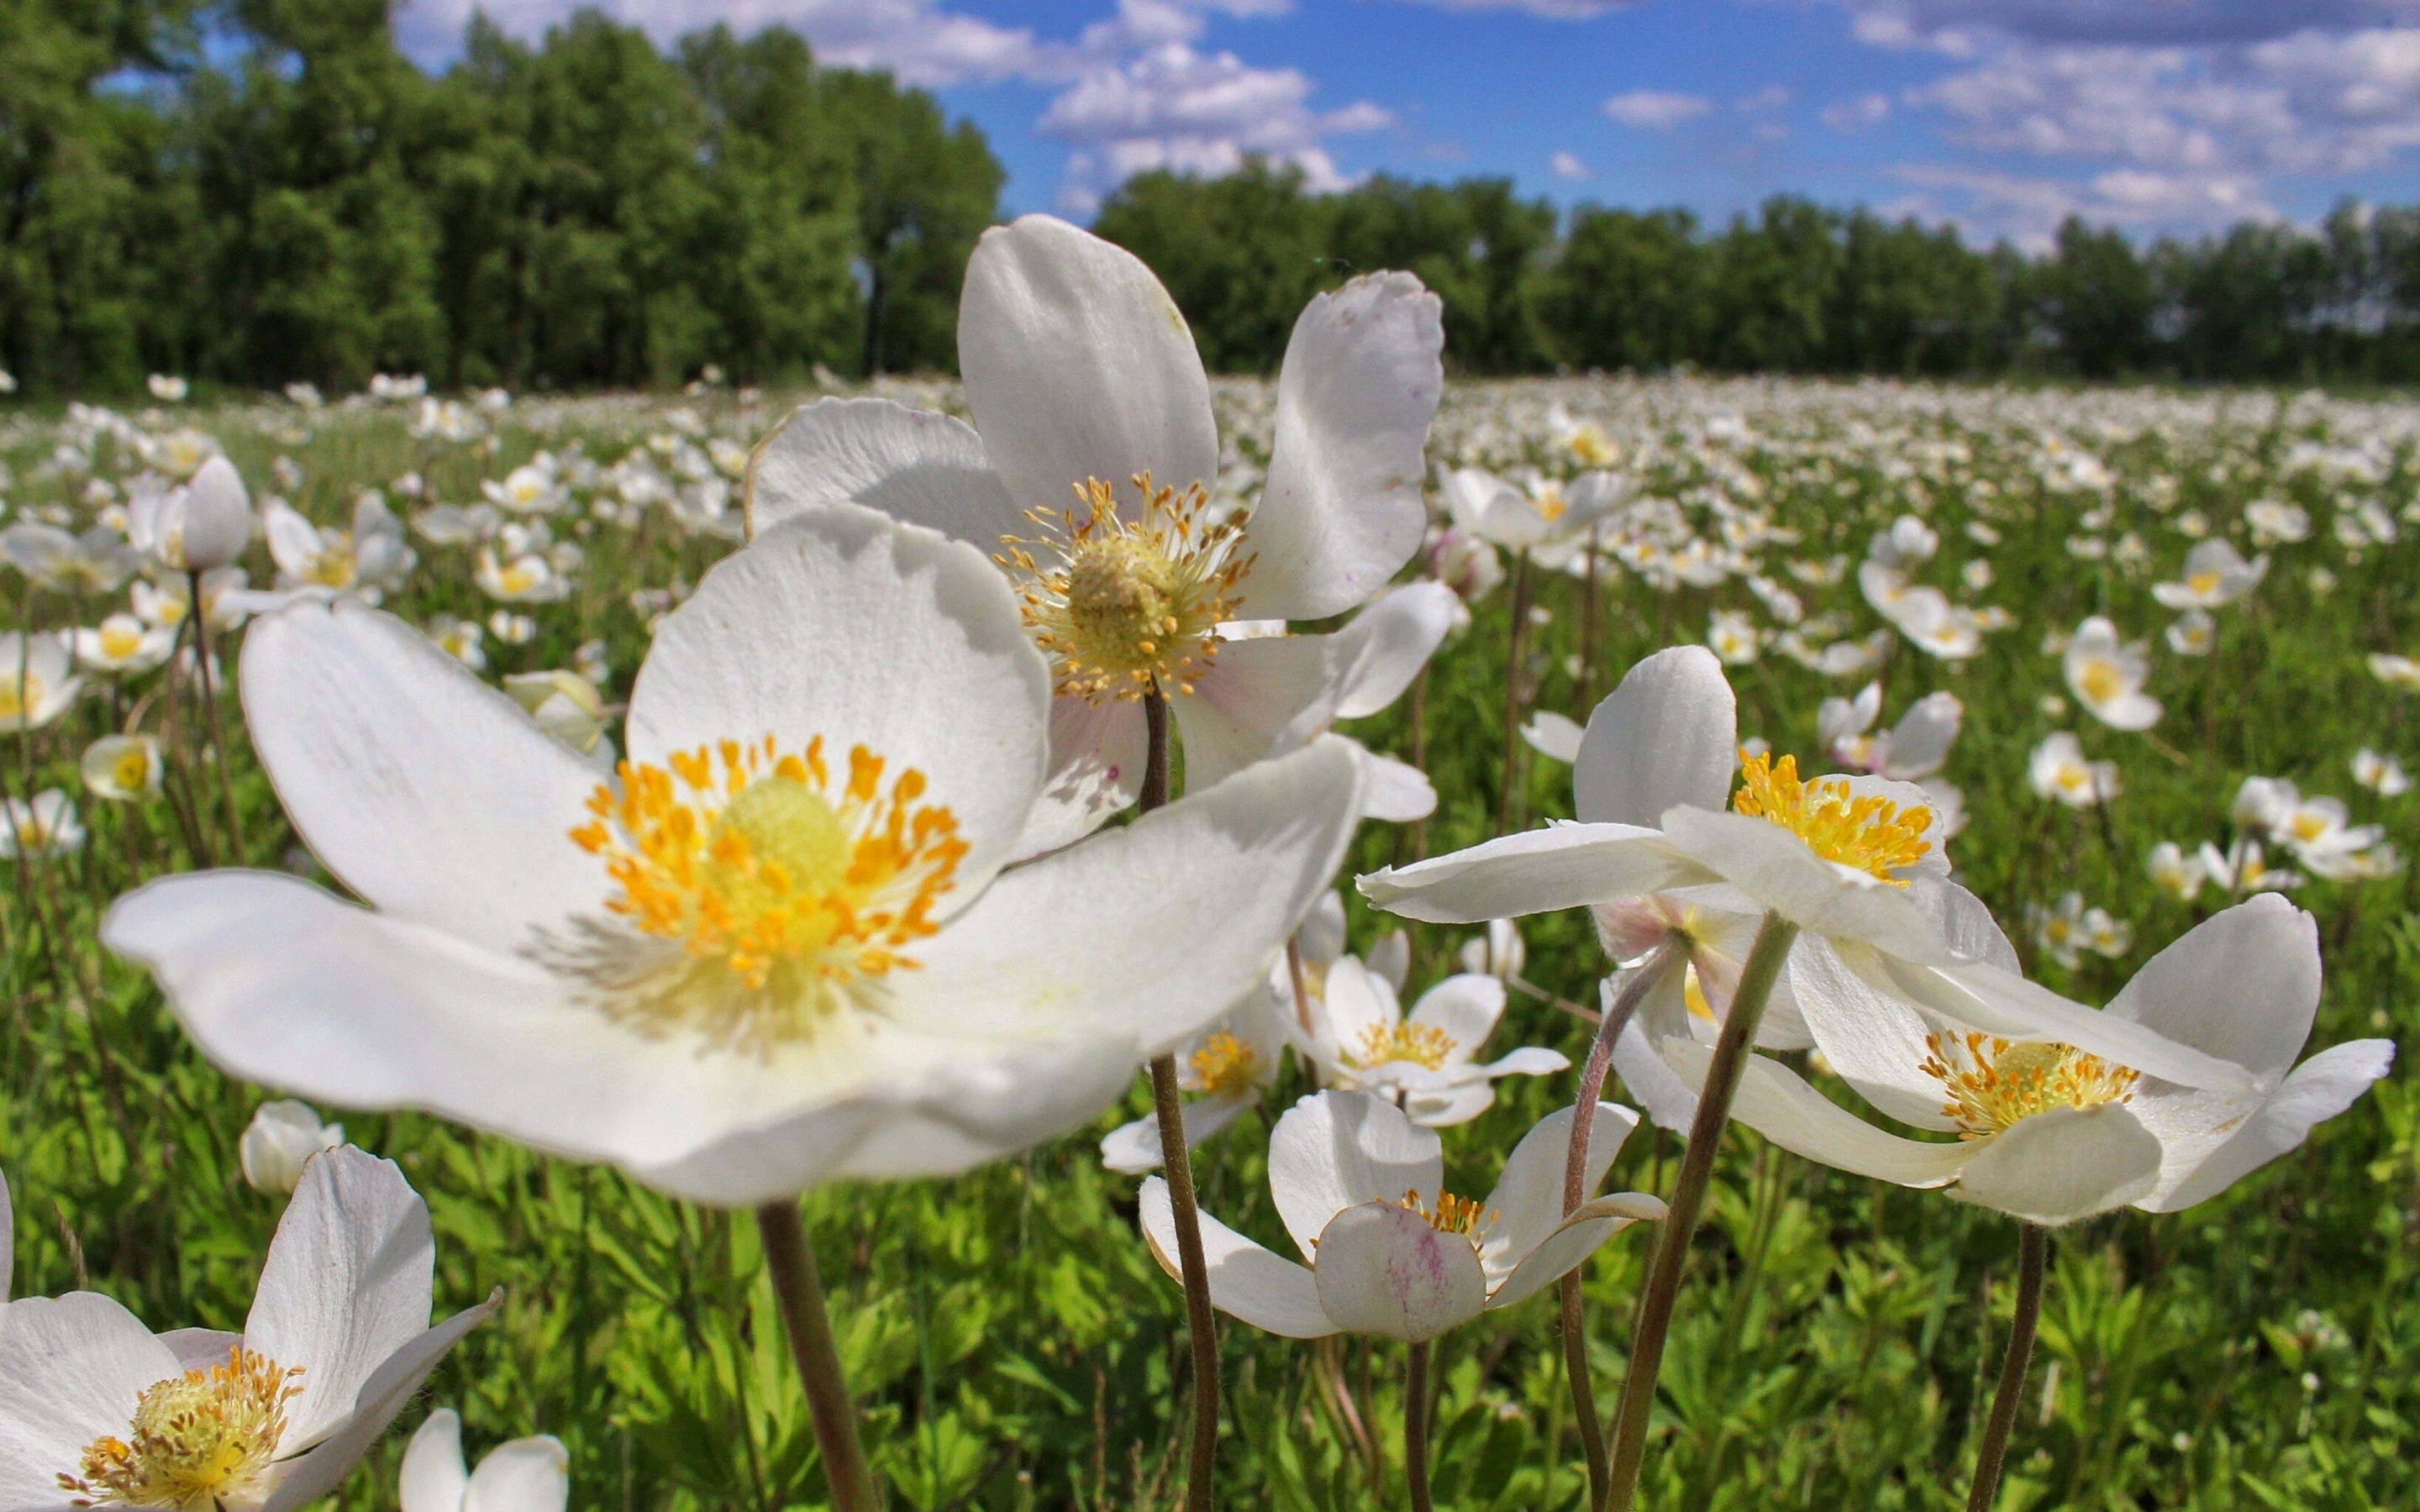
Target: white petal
x=1079, y=366
x=1433, y=1103
x=1132, y=1149
x=1536, y=871
x=1572, y=1241
x=1528, y=1201
x=71, y=1369
x=2317, y=1089
x=2064, y=1164
x=1778, y=1103
x=7, y=1240
x=1334, y=1150
x=1554, y=736
x=1360, y=1004
x=197, y=1348
x=1342, y=510
x=1529, y=1060
x=525, y=1475
x=429, y=792
x=1873, y=1040
x=1780, y=872
x=350, y=1279
x=1671, y=1102
x=1382, y=1270
x=1246, y=1282
x=1391, y=641
x=324, y=1468
x=1262, y=697
x=1668, y=735
x=2243, y=985
x=844, y=625
x=913, y=465
x=1098, y=753
x=433, y=1478
x=1464, y=1007
x=1393, y=791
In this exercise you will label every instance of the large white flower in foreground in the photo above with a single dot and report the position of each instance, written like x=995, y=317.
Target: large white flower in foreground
x=94, y=1408
x=1855, y=862
x=1387, y=1249
x=2050, y=1133
x=780, y=948
x=531, y=1474
x=1089, y=475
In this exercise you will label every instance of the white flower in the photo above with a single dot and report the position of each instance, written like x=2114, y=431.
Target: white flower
x=123, y=768
x=195, y=526
x=1912, y=751
x=2382, y=774
x=96, y=562
x=166, y=388
x=534, y=488
x=177, y=453
x=95, y=1407
x=1361, y=1040
x=2242, y=870
x=1228, y=1065
x=781, y=948
x=279, y=1143
x=2396, y=671
x=1466, y=564
x=2057, y=770
x=2194, y=634
x=37, y=685
x=1083, y=380
x=1499, y=954
x=1389, y=1251
x=1977, y=574
x=2052, y=1133
x=511, y=628
x=531, y=1474
x=368, y=560
x=1908, y=542
x=2215, y=573
x=527, y=578
x=1545, y=514
x=123, y=644
x=1556, y=736
x=2274, y=522
x=2176, y=872
x=2107, y=677
x=43, y=828
x=567, y=706
x=1733, y=637
x=461, y=640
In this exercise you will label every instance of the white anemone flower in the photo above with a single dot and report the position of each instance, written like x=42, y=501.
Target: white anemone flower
x=1427, y=1064
x=123, y=644
x=1910, y=751
x=2242, y=869
x=2215, y=573
x=2382, y=774
x=2194, y=634
x=1090, y=476
x=367, y=560
x=780, y=948
x=279, y=1143
x=1465, y=564
x=2177, y=871
x=1389, y=1251
x=528, y=578
x=2052, y=1133
x=166, y=388
x=532, y=1474
x=94, y=1408
x=195, y=526
x=2107, y=677
x=1734, y=637
x=96, y=562
x=1556, y=736
x=36, y=681
x=1855, y=862
x=2396, y=671
x=2058, y=769
x=567, y=706
x=43, y=828
x=534, y=488
x=1500, y=952
x=123, y=768
x=1227, y=1068
x=1544, y=515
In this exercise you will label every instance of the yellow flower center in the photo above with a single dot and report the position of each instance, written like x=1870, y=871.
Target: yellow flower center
x=517, y=578
x=20, y=690
x=119, y=643
x=784, y=898
x=2205, y=584
x=1991, y=1083
x=1129, y=604
x=1423, y=1045
x=1224, y=1064
x=2101, y=681
x=1552, y=504
x=131, y=771
x=1871, y=834
x=1693, y=993
x=1451, y=1215
x=336, y=565
x=197, y=1440
x=2308, y=826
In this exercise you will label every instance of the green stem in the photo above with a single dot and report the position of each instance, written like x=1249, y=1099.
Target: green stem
x=2033, y=1260
x=211, y=706
x=1729, y=1063
x=1416, y=1427
x=800, y=1292
x=1513, y=690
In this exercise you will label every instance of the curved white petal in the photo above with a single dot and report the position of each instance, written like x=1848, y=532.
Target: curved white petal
x=2317, y=1089
x=433, y=1477
x=2064, y=1164
x=1431, y=1102
x=1464, y=1007
x=1666, y=736
x=1248, y=1282
x=1528, y=1201
x=1079, y=366
x=1555, y=737
x=1391, y=641
x=1261, y=698
x=2243, y=985
x=913, y=465
x=1382, y=1270
x=1132, y=1149
x=1334, y=1150
x=1342, y=510
x=1669, y=1100
x=1097, y=751
x=322, y=1469
x=843, y=625
x=350, y=1279
x=1536, y=871
x=1572, y=1241
x=1777, y=870
x=1361, y=1005
x=427, y=791
x=525, y=1475
x=1778, y=1103
x=71, y=1369
x=197, y=1348
x=1394, y=792
x=1873, y=1040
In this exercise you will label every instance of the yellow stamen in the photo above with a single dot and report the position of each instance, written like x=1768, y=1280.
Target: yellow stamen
x=197, y=1441
x=2101, y=681
x=20, y=691
x=1451, y=1215
x=1422, y=1045
x=1871, y=834
x=1224, y=1064
x=2203, y=583
x=1991, y=1081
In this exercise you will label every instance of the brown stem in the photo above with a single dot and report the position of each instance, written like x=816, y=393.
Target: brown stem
x=1416, y=1427
x=801, y=1293
x=1587, y=631
x=1513, y=690
x=1688, y=1204
x=211, y=705
x=2033, y=1258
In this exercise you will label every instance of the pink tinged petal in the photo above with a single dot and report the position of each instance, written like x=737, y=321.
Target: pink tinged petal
x=350, y=1280
x=198, y=1348
x=2315, y=1092
x=71, y=1369
x=913, y=465
x=323, y=1468
x=1391, y=642
x=1873, y=1040
x=1342, y=510
x=1079, y=366
x=1527, y=1202
x=1668, y=735
x=1384, y=1270
x=1778, y=1103
x=1571, y=1243
x=428, y=793
x=1334, y=1150
x=1097, y=752
x=1464, y=1008
x=1261, y=699
x=1537, y=871
x=1246, y=1282
x=524, y=1475
x=2064, y=1164
x=1133, y=1149
x=433, y=1478
x=2243, y=985
x=844, y=625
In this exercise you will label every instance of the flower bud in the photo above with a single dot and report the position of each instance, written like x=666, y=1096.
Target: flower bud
x=284, y=1135
x=217, y=516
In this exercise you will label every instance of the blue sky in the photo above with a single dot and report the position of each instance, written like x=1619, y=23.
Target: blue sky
x=2003, y=116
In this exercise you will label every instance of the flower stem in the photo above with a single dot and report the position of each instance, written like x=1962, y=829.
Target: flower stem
x=800, y=1292
x=2033, y=1258
x=211, y=705
x=1513, y=690
x=1600, y=1059
x=1416, y=1427
x=1177, y=1161
x=1688, y=1204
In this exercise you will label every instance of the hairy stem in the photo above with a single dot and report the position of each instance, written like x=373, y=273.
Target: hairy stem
x=800, y=1292
x=2033, y=1260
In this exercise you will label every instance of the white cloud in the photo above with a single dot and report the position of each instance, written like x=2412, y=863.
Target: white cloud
x=1772, y=97
x=1568, y=167
x=1858, y=115
x=1658, y=110
x=1546, y=10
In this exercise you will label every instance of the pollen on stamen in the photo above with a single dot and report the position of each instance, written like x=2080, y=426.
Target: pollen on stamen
x=1451, y=1215
x=1423, y=1045
x=1869, y=834
x=1990, y=1083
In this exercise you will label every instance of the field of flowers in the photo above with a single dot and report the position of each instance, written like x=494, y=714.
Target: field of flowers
x=2149, y=654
